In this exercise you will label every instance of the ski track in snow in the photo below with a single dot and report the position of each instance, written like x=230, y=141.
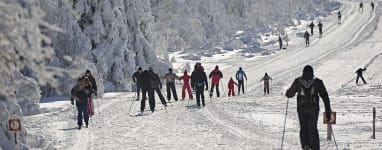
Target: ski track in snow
x=252, y=121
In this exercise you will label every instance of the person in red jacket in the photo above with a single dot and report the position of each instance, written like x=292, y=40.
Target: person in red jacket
x=186, y=85
x=231, y=87
x=215, y=77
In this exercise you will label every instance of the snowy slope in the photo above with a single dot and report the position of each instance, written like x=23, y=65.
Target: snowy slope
x=250, y=121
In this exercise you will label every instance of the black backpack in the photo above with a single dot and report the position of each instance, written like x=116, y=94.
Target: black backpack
x=307, y=94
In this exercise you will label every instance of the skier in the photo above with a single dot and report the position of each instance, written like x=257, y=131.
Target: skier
x=266, y=79
x=339, y=17
x=306, y=36
x=320, y=28
x=215, y=77
x=80, y=93
x=372, y=6
x=89, y=79
x=157, y=86
x=361, y=7
x=170, y=84
x=311, y=28
x=186, y=85
x=147, y=82
x=137, y=81
x=308, y=89
x=231, y=87
x=359, y=75
x=198, y=80
x=280, y=42
x=240, y=74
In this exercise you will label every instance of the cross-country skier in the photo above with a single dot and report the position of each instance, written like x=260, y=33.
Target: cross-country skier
x=93, y=86
x=215, y=77
x=266, y=79
x=320, y=28
x=137, y=81
x=186, y=85
x=147, y=82
x=198, y=81
x=157, y=86
x=80, y=93
x=280, y=42
x=306, y=36
x=311, y=28
x=309, y=89
x=339, y=17
x=240, y=75
x=170, y=84
x=372, y=6
x=359, y=75
x=361, y=7
x=231, y=87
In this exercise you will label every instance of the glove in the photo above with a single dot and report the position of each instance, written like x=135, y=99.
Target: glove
x=328, y=116
x=72, y=102
x=161, y=87
x=206, y=88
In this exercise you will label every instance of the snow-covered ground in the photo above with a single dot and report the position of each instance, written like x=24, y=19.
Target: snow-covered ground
x=250, y=121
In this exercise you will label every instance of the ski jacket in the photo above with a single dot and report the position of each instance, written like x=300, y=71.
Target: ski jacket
x=266, y=78
x=81, y=94
x=240, y=74
x=185, y=78
x=148, y=80
x=306, y=35
x=308, y=93
x=137, y=77
x=155, y=83
x=170, y=77
x=93, y=84
x=199, y=78
x=359, y=71
x=216, y=74
x=320, y=25
x=231, y=84
x=311, y=25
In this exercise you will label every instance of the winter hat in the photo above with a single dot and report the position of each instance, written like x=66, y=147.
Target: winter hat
x=169, y=69
x=240, y=69
x=307, y=73
x=185, y=71
x=139, y=68
x=87, y=71
x=200, y=67
x=216, y=67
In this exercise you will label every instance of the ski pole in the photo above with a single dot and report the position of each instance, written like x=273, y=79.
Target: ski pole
x=286, y=112
x=132, y=103
x=334, y=139
x=74, y=113
x=97, y=104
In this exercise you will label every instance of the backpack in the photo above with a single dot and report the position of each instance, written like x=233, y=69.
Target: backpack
x=307, y=94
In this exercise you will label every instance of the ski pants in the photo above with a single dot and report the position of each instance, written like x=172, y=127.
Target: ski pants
x=138, y=90
x=307, y=41
x=150, y=92
x=308, y=130
x=360, y=76
x=217, y=90
x=200, y=94
x=320, y=30
x=266, y=87
x=231, y=90
x=82, y=114
x=188, y=88
x=171, y=88
x=160, y=95
x=311, y=31
x=281, y=45
x=241, y=85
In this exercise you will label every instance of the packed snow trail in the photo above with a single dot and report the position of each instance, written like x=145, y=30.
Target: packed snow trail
x=250, y=121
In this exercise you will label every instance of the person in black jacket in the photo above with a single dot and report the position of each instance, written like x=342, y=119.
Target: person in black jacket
x=147, y=83
x=308, y=90
x=137, y=81
x=198, y=81
x=80, y=93
x=157, y=86
x=359, y=75
x=93, y=83
x=320, y=28
x=306, y=36
x=311, y=28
